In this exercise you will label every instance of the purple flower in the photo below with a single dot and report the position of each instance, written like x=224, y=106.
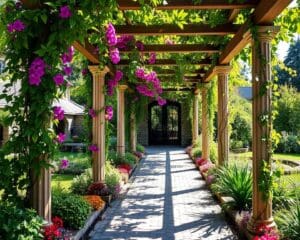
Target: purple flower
x=152, y=58
x=64, y=163
x=93, y=148
x=114, y=55
x=92, y=113
x=161, y=101
x=109, y=112
x=168, y=41
x=144, y=90
x=84, y=72
x=68, y=56
x=61, y=137
x=36, y=71
x=140, y=46
x=65, y=12
x=68, y=70
x=58, y=113
x=19, y=5
x=16, y=26
x=140, y=73
x=123, y=41
x=118, y=75
x=58, y=79
x=111, y=37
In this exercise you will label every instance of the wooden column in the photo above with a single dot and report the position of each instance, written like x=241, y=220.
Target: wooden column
x=41, y=195
x=121, y=120
x=132, y=132
x=223, y=138
x=261, y=73
x=99, y=122
x=205, y=125
x=196, y=115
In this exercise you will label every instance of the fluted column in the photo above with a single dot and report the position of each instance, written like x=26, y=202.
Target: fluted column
x=121, y=120
x=223, y=138
x=261, y=142
x=98, y=133
x=205, y=125
x=132, y=132
x=195, y=115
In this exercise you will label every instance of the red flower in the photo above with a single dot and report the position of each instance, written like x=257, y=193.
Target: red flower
x=57, y=221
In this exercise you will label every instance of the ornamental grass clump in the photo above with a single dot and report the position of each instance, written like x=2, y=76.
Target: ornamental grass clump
x=235, y=182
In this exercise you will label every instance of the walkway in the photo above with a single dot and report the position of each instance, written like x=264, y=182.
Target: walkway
x=166, y=201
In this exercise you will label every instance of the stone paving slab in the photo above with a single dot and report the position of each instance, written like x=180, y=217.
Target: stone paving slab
x=167, y=200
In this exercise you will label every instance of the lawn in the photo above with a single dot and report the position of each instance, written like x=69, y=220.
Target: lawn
x=276, y=156
x=73, y=157
x=62, y=180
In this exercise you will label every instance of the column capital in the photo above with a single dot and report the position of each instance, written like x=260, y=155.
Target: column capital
x=222, y=69
x=266, y=33
x=122, y=87
x=94, y=69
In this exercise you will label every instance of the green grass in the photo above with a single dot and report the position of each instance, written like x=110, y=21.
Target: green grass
x=277, y=156
x=73, y=157
x=62, y=180
x=292, y=179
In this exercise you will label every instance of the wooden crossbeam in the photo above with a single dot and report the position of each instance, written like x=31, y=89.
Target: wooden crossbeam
x=182, y=89
x=169, y=62
x=87, y=50
x=190, y=5
x=170, y=29
x=166, y=72
x=233, y=14
x=178, y=48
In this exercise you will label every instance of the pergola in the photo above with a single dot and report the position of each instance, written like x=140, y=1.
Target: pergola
x=263, y=14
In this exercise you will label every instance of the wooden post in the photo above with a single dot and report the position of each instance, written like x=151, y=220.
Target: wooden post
x=196, y=116
x=121, y=120
x=99, y=122
x=132, y=132
x=205, y=125
x=261, y=73
x=41, y=195
x=223, y=138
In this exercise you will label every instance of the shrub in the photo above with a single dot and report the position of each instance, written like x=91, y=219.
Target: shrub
x=19, y=224
x=81, y=183
x=140, y=148
x=235, y=182
x=213, y=154
x=117, y=159
x=288, y=221
x=75, y=168
x=234, y=144
x=241, y=131
x=129, y=158
x=283, y=196
x=289, y=144
x=94, y=201
x=99, y=189
x=196, y=152
x=112, y=177
x=73, y=209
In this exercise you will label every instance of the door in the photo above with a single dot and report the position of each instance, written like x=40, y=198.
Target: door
x=164, y=124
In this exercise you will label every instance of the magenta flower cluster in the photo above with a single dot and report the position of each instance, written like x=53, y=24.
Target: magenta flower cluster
x=152, y=58
x=65, y=12
x=93, y=148
x=61, y=137
x=67, y=57
x=111, y=36
x=16, y=26
x=58, y=113
x=109, y=113
x=112, y=83
x=123, y=42
x=64, y=163
x=36, y=71
x=92, y=113
x=114, y=55
x=58, y=79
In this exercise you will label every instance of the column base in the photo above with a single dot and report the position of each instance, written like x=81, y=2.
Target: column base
x=253, y=224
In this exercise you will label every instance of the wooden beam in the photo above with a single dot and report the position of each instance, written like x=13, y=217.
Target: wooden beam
x=171, y=29
x=87, y=50
x=178, y=48
x=233, y=14
x=267, y=10
x=169, y=62
x=183, y=89
x=209, y=75
x=190, y=5
x=165, y=72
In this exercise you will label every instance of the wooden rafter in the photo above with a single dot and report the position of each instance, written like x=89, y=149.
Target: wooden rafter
x=190, y=5
x=178, y=48
x=165, y=72
x=171, y=29
x=233, y=14
x=169, y=62
x=87, y=50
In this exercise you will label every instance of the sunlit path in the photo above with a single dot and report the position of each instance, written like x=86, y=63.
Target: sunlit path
x=167, y=200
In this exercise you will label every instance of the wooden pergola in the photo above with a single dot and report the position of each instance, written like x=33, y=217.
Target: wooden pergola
x=263, y=15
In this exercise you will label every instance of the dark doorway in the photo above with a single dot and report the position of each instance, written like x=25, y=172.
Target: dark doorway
x=164, y=124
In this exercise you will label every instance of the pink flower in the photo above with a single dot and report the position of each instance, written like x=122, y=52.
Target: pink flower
x=61, y=137
x=109, y=112
x=161, y=101
x=140, y=73
x=68, y=56
x=93, y=148
x=58, y=113
x=123, y=41
x=114, y=55
x=58, y=79
x=92, y=113
x=140, y=46
x=68, y=70
x=118, y=75
x=168, y=41
x=152, y=58
x=65, y=12
x=111, y=37
x=36, y=71
x=64, y=164
x=210, y=179
x=201, y=161
x=206, y=167
x=16, y=26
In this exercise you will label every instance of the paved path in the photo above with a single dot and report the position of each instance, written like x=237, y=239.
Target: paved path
x=167, y=200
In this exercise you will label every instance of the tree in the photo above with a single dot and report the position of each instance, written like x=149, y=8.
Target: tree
x=292, y=62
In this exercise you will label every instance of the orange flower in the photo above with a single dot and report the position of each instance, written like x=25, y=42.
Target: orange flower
x=95, y=201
